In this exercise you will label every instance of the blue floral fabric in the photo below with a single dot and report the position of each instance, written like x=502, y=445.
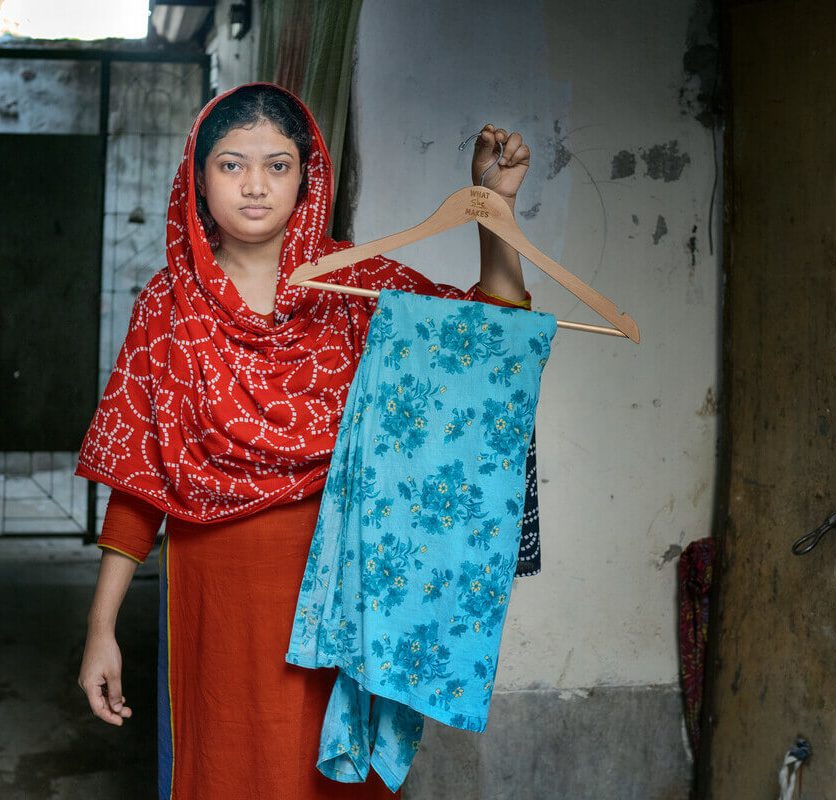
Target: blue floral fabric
x=410, y=568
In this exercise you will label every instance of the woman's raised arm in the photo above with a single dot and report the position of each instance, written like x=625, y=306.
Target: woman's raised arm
x=501, y=272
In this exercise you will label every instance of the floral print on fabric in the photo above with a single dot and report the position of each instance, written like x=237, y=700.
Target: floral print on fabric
x=443, y=500
x=409, y=574
x=403, y=408
x=461, y=340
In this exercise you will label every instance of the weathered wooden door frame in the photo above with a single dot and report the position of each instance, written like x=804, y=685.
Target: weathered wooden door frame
x=756, y=569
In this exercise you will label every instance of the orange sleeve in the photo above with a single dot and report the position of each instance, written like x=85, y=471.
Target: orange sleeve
x=130, y=525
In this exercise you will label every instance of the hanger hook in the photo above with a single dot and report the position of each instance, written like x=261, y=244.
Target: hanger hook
x=462, y=146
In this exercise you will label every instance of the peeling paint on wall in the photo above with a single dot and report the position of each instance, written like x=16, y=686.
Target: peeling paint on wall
x=531, y=212
x=661, y=229
x=664, y=161
x=561, y=155
x=709, y=405
x=699, y=96
x=623, y=165
x=673, y=551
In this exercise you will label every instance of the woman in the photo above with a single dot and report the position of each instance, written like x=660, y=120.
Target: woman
x=221, y=413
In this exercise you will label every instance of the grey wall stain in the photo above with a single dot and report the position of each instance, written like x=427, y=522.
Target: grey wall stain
x=37, y=99
x=709, y=405
x=692, y=249
x=525, y=753
x=8, y=109
x=623, y=165
x=673, y=551
x=700, y=94
x=664, y=161
x=661, y=229
x=561, y=155
x=635, y=220
x=423, y=146
x=531, y=212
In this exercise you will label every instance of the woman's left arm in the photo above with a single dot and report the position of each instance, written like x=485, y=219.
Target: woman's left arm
x=501, y=272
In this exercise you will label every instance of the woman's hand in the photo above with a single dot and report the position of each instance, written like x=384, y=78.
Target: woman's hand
x=101, y=665
x=507, y=176
x=101, y=678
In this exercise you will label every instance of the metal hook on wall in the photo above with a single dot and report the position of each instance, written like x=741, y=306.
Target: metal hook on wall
x=807, y=542
x=463, y=144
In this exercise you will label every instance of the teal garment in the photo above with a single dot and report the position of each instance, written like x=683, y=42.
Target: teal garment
x=411, y=563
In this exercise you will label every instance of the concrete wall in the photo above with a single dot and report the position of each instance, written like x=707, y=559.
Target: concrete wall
x=38, y=96
x=234, y=61
x=609, y=98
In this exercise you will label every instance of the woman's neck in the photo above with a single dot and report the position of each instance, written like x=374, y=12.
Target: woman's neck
x=249, y=261
x=253, y=269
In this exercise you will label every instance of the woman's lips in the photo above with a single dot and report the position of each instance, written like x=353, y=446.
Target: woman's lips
x=255, y=212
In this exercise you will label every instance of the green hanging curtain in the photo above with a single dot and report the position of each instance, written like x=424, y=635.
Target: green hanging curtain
x=307, y=47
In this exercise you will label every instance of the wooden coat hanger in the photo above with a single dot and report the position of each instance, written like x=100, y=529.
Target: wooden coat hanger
x=487, y=207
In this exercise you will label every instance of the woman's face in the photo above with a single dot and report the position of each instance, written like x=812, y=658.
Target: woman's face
x=251, y=181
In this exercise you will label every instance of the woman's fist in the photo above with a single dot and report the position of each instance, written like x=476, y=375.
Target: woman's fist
x=507, y=176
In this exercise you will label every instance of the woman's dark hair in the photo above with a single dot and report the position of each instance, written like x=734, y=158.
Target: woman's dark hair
x=245, y=108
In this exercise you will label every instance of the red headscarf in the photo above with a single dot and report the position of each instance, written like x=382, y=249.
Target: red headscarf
x=213, y=413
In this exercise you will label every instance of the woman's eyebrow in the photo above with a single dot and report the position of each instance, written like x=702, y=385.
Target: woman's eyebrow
x=246, y=158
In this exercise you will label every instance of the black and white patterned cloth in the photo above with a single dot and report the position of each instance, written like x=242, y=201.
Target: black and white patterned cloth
x=528, y=560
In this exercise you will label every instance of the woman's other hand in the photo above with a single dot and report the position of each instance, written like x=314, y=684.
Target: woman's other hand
x=100, y=678
x=507, y=176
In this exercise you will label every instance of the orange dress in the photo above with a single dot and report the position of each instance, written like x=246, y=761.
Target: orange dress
x=236, y=722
